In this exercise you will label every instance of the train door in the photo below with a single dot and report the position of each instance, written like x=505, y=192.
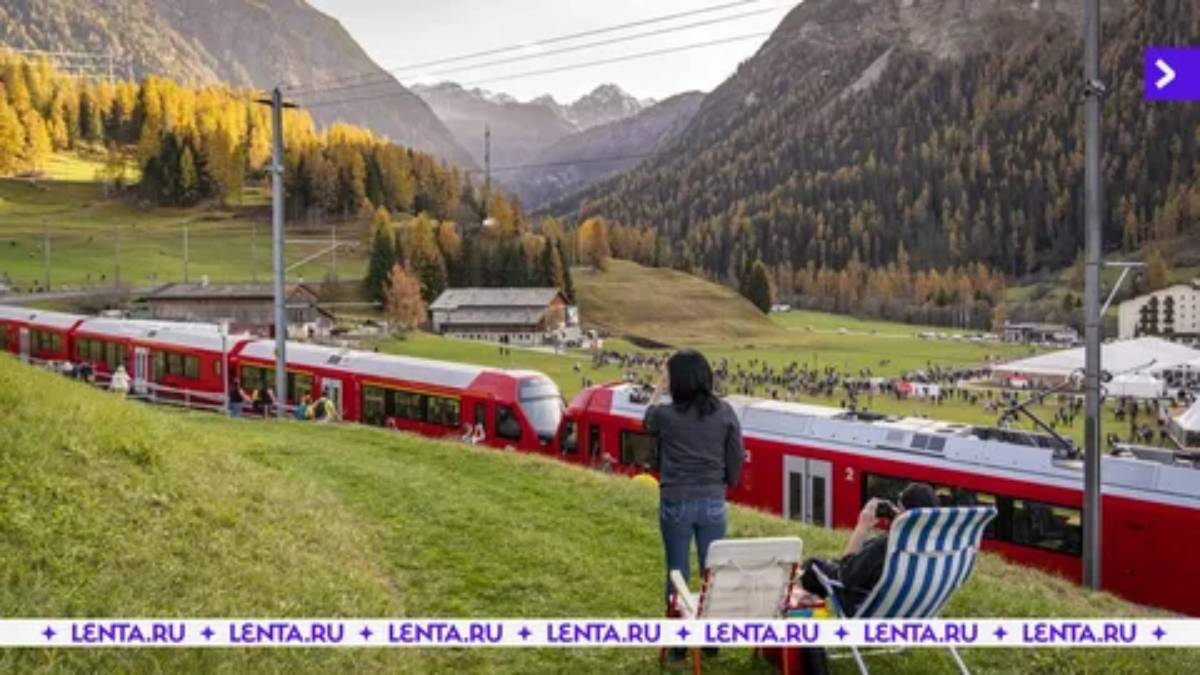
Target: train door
x=808, y=490
x=483, y=429
x=333, y=389
x=24, y=344
x=141, y=369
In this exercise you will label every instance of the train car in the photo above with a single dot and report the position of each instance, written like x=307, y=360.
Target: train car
x=820, y=465
x=37, y=335
x=432, y=398
x=182, y=360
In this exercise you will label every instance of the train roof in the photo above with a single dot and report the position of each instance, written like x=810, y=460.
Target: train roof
x=386, y=366
x=1010, y=453
x=137, y=328
x=40, y=317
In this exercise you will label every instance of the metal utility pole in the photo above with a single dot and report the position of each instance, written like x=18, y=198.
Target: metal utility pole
x=254, y=251
x=1094, y=92
x=277, y=247
x=333, y=253
x=185, y=253
x=45, y=255
x=117, y=260
x=487, y=171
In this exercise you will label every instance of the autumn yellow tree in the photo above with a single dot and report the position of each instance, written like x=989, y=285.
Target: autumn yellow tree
x=404, y=305
x=593, y=243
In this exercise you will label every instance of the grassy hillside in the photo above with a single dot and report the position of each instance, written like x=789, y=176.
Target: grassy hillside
x=82, y=223
x=665, y=305
x=110, y=508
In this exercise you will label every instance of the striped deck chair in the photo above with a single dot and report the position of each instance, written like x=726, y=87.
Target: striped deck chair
x=745, y=579
x=930, y=553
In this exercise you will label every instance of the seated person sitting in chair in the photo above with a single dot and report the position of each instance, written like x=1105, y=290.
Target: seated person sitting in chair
x=862, y=560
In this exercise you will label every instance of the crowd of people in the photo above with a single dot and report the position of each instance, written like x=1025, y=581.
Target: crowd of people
x=936, y=384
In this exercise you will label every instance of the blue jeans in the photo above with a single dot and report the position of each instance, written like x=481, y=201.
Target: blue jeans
x=682, y=519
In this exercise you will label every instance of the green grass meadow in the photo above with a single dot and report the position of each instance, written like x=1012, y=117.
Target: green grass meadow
x=109, y=508
x=84, y=226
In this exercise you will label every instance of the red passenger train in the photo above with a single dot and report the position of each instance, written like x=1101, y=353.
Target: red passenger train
x=521, y=409
x=819, y=465
x=808, y=463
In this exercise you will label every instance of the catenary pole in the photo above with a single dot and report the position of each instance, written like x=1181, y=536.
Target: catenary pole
x=1094, y=92
x=277, y=247
x=45, y=255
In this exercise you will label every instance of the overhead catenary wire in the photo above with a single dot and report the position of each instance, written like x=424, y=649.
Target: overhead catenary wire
x=388, y=73
x=563, y=50
x=556, y=69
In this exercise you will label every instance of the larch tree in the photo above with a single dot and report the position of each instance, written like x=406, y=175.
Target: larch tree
x=593, y=243
x=404, y=305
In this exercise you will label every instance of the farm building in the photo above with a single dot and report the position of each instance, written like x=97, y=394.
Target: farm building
x=513, y=315
x=248, y=307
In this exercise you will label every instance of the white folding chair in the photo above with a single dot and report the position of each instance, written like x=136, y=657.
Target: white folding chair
x=745, y=579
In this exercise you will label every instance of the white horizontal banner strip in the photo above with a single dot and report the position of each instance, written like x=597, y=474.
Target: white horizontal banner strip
x=595, y=633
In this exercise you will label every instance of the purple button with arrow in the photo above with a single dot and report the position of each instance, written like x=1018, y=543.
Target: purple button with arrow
x=1172, y=74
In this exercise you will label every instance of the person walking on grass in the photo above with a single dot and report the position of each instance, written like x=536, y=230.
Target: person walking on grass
x=700, y=454
x=120, y=382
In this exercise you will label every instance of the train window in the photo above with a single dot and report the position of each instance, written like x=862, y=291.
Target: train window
x=299, y=386
x=159, y=366
x=374, y=406
x=114, y=355
x=638, y=449
x=3, y=336
x=594, y=441
x=507, y=424
x=883, y=487
x=481, y=414
x=444, y=411
x=570, y=438
x=191, y=367
x=46, y=341
x=408, y=405
x=174, y=364
x=81, y=349
x=1045, y=526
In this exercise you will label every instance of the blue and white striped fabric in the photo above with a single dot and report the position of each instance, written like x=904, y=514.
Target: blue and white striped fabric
x=931, y=552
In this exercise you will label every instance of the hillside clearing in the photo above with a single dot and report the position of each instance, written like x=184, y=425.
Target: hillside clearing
x=133, y=511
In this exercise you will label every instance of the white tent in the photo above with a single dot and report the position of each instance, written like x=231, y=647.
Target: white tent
x=1146, y=354
x=1135, y=385
x=1185, y=429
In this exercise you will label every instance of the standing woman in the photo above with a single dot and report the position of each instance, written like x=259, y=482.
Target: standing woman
x=700, y=454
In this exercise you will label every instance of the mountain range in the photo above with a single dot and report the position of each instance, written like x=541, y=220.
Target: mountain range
x=929, y=133
x=254, y=43
x=525, y=136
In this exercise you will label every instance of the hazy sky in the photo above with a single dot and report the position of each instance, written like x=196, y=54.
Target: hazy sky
x=405, y=32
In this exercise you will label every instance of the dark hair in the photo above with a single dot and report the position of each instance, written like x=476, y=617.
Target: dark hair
x=919, y=496
x=691, y=382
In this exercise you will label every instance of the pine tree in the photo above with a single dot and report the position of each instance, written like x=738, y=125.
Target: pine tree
x=758, y=287
x=382, y=257
x=568, y=284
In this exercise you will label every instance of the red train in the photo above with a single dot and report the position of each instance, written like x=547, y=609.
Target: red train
x=808, y=463
x=820, y=465
x=513, y=408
